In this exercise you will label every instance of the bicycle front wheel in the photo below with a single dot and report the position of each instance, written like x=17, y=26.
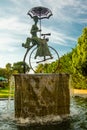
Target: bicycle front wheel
x=34, y=63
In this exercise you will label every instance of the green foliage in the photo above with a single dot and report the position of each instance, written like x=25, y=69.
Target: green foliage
x=79, y=56
x=19, y=67
x=39, y=68
x=63, y=66
x=79, y=81
x=3, y=72
x=79, y=62
x=9, y=70
x=65, y=63
x=6, y=73
x=5, y=92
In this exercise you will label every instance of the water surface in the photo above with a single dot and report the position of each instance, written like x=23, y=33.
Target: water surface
x=76, y=121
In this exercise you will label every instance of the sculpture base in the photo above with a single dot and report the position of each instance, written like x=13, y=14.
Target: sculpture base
x=38, y=96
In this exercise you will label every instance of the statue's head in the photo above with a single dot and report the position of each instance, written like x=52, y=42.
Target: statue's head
x=35, y=19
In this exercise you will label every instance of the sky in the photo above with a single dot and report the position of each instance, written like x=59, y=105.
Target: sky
x=66, y=25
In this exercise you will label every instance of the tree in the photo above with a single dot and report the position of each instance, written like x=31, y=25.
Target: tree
x=3, y=72
x=79, y=57
x=8, y=66
x=65, y=63
x=79, y=61
x=39, y=68
x=18, y=67
x=9, y=69
x=6, y=72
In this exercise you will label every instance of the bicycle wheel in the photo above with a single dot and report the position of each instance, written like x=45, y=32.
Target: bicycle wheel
x=41, y=60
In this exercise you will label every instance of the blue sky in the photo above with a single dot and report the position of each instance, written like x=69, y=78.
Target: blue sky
x=66, y=25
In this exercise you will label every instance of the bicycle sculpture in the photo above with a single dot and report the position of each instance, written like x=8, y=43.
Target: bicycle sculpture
x=40, y=52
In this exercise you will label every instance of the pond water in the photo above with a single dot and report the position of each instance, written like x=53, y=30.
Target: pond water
x=76, y=121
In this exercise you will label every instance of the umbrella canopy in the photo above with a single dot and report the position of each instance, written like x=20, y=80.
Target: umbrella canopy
x=3, y=79
x=40, y=12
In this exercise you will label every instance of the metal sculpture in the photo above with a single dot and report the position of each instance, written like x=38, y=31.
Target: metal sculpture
x=40, y=12
x=42, y=52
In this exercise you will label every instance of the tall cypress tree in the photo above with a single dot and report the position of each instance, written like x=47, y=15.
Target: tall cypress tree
x=79, y=57
x=79, y=61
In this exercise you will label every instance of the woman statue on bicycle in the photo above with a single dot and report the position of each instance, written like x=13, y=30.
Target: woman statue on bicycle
x=43, y=49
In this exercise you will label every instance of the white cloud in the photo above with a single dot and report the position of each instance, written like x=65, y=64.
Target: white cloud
x=13, y=24
x=7, y=40
x=68, y=10
x=58, y=37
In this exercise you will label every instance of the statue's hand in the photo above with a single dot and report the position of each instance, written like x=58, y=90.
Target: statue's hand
x=24, y=45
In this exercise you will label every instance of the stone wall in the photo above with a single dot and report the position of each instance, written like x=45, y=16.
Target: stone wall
x=41, y=95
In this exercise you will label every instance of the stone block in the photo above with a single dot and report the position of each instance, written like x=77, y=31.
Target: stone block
x=41, y=95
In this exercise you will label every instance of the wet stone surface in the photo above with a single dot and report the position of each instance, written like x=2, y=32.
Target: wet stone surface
x=41, y=95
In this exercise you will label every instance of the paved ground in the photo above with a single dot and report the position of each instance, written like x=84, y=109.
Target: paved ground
x=78, y=92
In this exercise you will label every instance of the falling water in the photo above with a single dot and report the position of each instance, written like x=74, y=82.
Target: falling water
x=7, y=108
x=41, y=98
x=11, y=91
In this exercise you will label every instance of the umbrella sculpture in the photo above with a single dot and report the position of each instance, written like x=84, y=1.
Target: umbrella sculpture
x=40, y=12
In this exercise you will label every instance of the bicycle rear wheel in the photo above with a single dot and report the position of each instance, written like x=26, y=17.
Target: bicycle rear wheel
x=34, y=63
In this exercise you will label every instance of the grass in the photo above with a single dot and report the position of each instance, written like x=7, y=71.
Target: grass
x=6, y=92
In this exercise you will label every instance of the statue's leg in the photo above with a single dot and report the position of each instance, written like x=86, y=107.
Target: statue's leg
x=35, y=41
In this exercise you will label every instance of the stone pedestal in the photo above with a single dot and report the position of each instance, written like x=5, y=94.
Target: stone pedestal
x=41, y=95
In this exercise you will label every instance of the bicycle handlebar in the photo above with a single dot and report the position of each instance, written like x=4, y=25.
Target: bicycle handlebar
x=46, y=34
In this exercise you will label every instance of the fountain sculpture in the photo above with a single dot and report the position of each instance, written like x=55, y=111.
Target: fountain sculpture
x=41, y=97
